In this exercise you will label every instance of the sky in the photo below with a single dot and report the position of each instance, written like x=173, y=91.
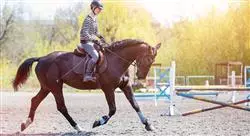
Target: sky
x=169, y=11
x=164, y=11
x=43, y=9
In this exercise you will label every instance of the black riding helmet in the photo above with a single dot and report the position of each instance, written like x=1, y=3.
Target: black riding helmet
x=96, y=4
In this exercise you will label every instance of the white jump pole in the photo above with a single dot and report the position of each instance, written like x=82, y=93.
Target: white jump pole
x=233, y=83
x=155, y=86
x=245, y=80
x=172, y=88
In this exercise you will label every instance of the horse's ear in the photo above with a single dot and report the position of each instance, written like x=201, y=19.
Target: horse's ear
x=158, y=46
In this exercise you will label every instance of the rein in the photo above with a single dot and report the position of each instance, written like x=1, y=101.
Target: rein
x=134, y=63
x=131, y=63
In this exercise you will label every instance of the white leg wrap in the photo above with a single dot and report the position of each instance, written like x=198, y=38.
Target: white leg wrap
x=102, y=120
x=141, y=116
x=28, y=122
x=78, y=128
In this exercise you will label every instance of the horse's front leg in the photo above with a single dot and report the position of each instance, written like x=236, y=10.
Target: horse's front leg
x=127, y=89
x=110, y=97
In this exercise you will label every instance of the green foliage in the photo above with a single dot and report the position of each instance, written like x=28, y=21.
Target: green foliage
x=197, y=45
x=7, y=70
x=119, y=21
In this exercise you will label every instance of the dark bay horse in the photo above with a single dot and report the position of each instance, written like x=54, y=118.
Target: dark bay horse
x=51, y=69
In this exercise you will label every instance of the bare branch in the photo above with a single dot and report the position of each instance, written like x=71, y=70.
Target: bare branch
x=9, y=21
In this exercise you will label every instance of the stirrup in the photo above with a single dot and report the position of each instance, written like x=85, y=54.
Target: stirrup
x=89, y=79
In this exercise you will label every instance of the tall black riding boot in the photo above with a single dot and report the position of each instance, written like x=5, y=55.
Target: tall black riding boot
x=89, y=75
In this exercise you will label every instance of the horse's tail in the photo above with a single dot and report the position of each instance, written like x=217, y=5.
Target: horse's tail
x=23, y=73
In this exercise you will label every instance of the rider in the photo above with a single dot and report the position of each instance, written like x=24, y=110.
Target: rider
x=88, y=34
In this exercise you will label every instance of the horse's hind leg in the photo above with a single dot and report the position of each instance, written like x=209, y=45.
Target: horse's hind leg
x=61, y=107
x=35, y=101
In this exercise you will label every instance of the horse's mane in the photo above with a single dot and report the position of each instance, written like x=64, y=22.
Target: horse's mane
x=125, y=43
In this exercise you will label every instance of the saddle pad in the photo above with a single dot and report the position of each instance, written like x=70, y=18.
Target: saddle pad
x=79, y=64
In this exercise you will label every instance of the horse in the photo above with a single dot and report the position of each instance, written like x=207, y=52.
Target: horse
x=55, y=69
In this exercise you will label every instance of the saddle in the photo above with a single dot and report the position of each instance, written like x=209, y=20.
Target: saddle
x=81, y=58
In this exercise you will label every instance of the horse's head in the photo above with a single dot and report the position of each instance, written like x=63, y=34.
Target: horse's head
x=144, y=61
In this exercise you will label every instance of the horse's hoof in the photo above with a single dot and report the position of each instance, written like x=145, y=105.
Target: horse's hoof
x=149, y=127
x=22, y=127
x=96, y=124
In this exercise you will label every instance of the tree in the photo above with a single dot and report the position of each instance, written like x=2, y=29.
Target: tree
x=66, y=27
x=7, y=19
x=120, y=21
